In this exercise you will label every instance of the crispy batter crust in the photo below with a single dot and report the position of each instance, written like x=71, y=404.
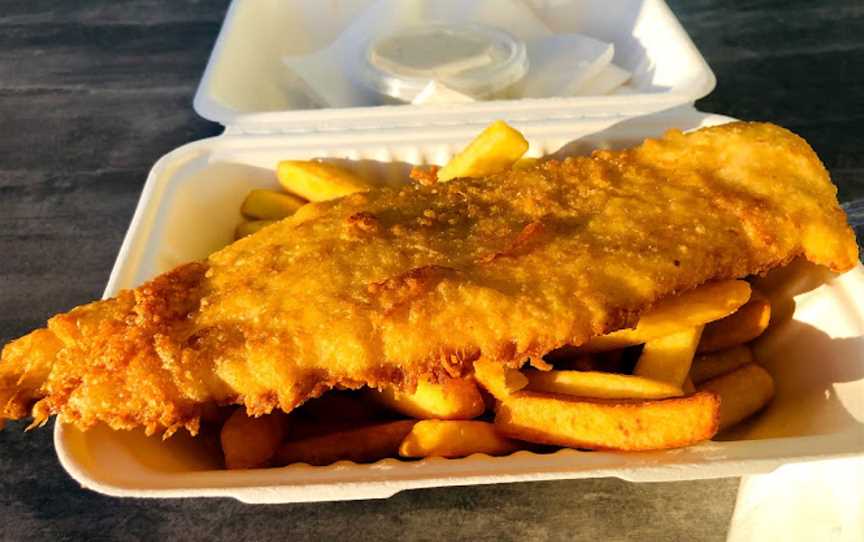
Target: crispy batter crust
x=394, y=285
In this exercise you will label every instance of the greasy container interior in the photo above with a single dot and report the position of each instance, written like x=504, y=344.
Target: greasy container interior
x=189, y=208
x=247, y=85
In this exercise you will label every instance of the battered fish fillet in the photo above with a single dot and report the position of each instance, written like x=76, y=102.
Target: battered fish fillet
x=393, y=285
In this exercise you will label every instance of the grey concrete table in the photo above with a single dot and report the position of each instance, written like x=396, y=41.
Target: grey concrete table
x=92, y=93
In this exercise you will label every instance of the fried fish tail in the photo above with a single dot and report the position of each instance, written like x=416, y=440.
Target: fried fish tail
x=25, y=366
x=146, y=358
x=102, y=362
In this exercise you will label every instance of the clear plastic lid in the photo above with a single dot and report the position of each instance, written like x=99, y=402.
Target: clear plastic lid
x=476, y=60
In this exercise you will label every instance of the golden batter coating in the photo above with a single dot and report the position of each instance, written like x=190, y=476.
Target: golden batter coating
x=396, y=284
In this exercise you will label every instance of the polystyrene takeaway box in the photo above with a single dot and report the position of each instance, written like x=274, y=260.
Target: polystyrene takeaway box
x=189, y=208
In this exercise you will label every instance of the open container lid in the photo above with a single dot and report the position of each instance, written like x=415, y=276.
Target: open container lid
x=248, y=88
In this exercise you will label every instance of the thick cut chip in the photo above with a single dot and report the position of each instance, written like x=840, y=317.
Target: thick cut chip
x=455, y=438
x=453, y=399
x=270, y=205
x=743, y=392
x=708, y=366
x=599, y=385
x=693, y=308
x=668, y=358
x=360, y=445
x=250, y=442
x=496, y=149
x=499, y=381
x=608, y=425
x=740, y=327
x=318, y=181
x=782, y=284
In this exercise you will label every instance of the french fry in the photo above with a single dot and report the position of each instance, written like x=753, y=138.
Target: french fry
x=668, y=358
x=250, y=227
x=693, y=308
x=454, y=438
x=742, y=326
x=608, y=425
x=453, y=399
x=708, y=366
x=782, y=284
x=499, y=381
x=743, y=392
x=250, y=442
x=270, y=205
x=318, y=181
x=360, y=445
x=496, y=149
x=599, y=385
x=307, y=213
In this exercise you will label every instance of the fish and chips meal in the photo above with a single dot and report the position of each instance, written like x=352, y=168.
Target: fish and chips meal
x=495, y=304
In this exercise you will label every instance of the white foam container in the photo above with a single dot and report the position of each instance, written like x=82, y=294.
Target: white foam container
x=189, y=208
x=247, y=88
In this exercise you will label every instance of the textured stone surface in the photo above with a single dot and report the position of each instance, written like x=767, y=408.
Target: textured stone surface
x=92, y=93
